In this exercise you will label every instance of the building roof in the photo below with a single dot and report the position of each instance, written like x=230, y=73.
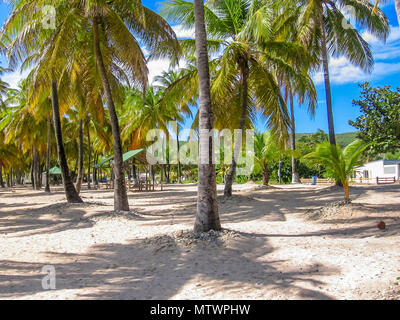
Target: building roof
x=141, y=155
x=390, y=162
x=55, y=171
x=384, y=162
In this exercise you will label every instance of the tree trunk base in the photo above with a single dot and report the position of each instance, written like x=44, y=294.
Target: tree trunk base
x=295, y=178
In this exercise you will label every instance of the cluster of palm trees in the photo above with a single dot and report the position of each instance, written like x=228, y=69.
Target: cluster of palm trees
x=88, y=78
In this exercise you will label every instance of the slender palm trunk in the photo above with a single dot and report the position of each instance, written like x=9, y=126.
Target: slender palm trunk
x=70, y=191
x=179, y=159
x=347, y=193
x=295, y=175
x=36, y=168
x=89, y=155
x=47, y=188
x=1, y=176
x=238, y=140
x=120, y=195
x=266, y=175
x=207, y=217
x=324, y=50
x=79, y=179
x=31, y=173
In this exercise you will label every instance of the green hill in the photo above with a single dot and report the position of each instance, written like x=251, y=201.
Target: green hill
x=343, y=139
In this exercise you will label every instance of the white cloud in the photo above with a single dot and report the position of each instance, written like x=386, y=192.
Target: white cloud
x=394, y=34
x=342, y=71
x=182, y=32
x=14, y=78
x=156, y=67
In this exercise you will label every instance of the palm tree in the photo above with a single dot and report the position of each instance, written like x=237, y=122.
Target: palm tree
x=23, y=127
x=207, y=217
x=105, y=30
x=148, y=112
x=268, y=148
x=154, y=31
x=323, y=29
x=340, y=164
x=179, y=109
x=250, y=60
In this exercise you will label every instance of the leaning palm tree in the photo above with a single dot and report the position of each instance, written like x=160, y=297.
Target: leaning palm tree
x=324, y=30
x=340, y=164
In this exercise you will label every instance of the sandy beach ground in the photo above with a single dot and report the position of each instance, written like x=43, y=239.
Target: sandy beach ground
x=277, y=245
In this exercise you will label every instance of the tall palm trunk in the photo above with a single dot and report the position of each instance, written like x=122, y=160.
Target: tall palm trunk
x=120, y=195
x=47, y=188
x=1, y=176
x=32, y=174
x=397, y=4
x=179, y=158
x=79, y=179
x=295, y=175
x=238, y=142
x=324, y=52
x=89, y=154
x=207, y=217
x=70, y=191
x=36, y=168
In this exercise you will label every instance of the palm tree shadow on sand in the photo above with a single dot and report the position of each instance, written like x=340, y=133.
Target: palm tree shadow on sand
x=143, y=270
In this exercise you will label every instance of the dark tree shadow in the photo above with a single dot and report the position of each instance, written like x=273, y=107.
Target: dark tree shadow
x=142, y=270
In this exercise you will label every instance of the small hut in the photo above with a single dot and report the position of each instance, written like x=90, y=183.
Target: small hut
x=135, y=162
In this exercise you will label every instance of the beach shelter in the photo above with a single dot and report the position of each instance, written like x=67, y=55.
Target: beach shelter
x=55, y=171
x=139, y=156
x=103, y=163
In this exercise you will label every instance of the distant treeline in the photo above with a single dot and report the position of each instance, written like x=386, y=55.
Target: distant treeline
x=343, y=139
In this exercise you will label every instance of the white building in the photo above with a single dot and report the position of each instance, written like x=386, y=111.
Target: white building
x=378, y=169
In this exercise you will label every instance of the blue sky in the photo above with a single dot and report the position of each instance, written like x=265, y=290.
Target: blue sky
x=344, y=77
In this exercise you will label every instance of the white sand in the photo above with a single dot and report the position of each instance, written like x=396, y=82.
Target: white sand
x=279, y=252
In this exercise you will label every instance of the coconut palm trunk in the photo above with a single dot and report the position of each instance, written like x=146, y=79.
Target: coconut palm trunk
x=79, y=179
x=32, y=175
x=70, y=191
x=295, y=175
x=179, y=157
x=207, y=217
x=1, y=176
x=36, y=168
x=47, y=188
x=325, y=63
x=244, y=67
x=120, y=195
x=89, y=155
x=397, y=4
x=266, y=175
